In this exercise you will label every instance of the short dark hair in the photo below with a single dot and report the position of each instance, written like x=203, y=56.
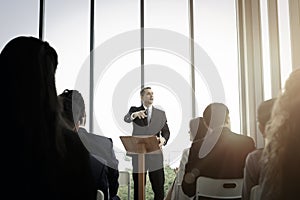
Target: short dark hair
x=264, y=111
x=73, y=106
x=215, y=114
x=142, y=92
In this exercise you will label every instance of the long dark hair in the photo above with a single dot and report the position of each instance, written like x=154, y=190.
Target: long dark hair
x=30, y=106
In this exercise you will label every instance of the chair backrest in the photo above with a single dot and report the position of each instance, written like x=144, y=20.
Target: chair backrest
x=100, y=195
x=255, y=192
x=124, y=180
x=219, y=188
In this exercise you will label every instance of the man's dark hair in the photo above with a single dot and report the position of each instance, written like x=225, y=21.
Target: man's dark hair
x=215, y=114
x=264, y=111
x=73, y=106
x=142, y=92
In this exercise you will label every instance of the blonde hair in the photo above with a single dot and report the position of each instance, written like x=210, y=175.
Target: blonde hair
x=281, y=131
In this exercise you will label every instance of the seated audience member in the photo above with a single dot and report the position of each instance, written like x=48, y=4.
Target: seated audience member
x=197, y=131
x=252, y=168
x=221, y=154
x=43, y=161
x=103, y=160
x=280, y=176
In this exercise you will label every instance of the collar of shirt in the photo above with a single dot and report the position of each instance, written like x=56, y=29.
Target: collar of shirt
x=149, y=108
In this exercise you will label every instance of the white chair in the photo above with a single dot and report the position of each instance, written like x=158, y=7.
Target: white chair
x=255, y=192
x=219, y=188
x=124, y=180
x=100, y=195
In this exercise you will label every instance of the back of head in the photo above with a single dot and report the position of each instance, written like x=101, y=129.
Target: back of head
x=30, y=104
x=264, y=113
x=28, y=66
x=73, y=107
x=215, y=115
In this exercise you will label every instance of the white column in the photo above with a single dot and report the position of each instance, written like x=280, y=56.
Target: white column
x=274, y=47
x=250, y=65
x=295, y=31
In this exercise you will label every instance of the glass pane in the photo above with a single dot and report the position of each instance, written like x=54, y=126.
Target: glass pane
x=18, y=18
x=285, y=40
x=117, y=69
x=168, y=70
x=265, y=49
x=216, y=33
x=114, y=17
x=67, y=30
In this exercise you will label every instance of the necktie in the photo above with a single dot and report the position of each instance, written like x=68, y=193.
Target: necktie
x=148, y=116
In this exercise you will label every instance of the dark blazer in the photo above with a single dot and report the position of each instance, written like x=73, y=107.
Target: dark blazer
x=100, y=147
x=104, y=163
x=75, y=179
x=158, y=123
x=225, y=160
x=106, y=178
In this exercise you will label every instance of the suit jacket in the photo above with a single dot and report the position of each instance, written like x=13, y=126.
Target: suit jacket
x=225, y=160
x=103, y=162
x=75, y=175
x=158, y=123
x=100, y=147
x=106, y=178
x=251, y=172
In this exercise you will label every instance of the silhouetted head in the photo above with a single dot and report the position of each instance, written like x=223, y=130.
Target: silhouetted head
x=264, y=114
x=28, y=67
x=216, y=115
x=73, y=108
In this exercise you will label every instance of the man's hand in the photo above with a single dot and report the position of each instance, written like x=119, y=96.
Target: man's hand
x=162, y=141
x=140, y=114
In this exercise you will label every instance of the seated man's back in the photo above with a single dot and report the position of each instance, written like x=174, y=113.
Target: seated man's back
x=104, y=162
x=221, y=154
x=225, y=160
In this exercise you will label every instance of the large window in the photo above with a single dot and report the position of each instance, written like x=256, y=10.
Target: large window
x=18, y=18
x=67, y=30
x=168, y=70
x=266, y=49
x=284, y=44
x=216, y=34
x=117, y=73
x=285, y=40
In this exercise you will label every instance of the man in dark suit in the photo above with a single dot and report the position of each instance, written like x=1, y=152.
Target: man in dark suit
x=221, y=154
x=148, y=120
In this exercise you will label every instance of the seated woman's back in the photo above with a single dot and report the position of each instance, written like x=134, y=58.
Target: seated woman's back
x=41, y=161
